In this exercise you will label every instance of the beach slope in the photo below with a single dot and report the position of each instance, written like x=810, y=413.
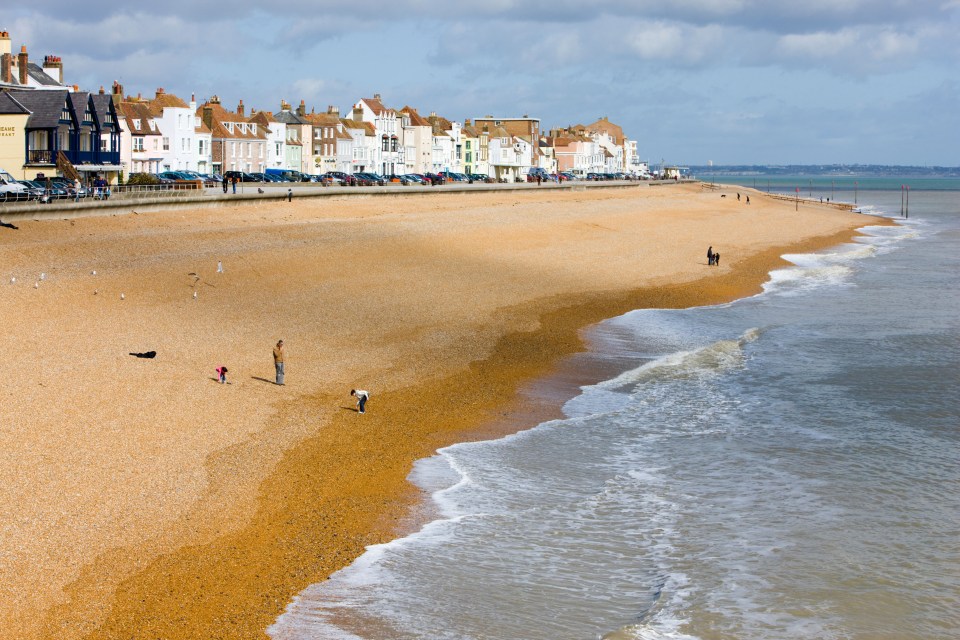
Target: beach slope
x=142, y=498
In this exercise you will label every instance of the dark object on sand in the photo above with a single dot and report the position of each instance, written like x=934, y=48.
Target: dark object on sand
x=145, y=354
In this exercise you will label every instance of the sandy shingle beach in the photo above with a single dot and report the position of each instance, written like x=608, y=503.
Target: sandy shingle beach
x=141, y=498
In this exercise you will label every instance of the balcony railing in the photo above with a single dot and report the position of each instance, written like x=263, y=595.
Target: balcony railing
x=40, y=156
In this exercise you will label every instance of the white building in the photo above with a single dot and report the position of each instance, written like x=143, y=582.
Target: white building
x=186, y=142
x=510, y=157
x=388, y=153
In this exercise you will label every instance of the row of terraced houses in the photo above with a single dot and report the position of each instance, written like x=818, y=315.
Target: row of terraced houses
x=46, y=125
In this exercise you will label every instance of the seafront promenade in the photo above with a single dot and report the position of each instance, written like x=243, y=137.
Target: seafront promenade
x=250, y=193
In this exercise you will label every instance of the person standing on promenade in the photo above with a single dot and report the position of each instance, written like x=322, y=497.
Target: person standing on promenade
x=361, y=397
x=225, y=181
x=76, y=188
x=710, y=255
x=278, y=361
x=234, y=185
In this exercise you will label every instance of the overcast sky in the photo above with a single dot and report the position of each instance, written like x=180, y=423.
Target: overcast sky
x=693, y=81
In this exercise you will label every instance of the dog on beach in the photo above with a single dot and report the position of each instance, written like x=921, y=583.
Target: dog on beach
x=145, y=354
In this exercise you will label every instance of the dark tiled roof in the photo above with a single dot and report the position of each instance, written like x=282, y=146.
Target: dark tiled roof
x=289, y=117
x=37, y=73
x=102, y=104
x=44, y=106
x=10, y=106
x=79, y=100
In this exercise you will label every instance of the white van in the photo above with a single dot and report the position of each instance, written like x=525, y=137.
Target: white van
x=10, y=189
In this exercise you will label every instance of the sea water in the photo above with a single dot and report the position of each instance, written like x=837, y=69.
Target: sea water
x=784, y=466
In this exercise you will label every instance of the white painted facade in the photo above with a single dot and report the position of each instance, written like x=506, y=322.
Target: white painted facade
x=510, y=158
x=181, y=145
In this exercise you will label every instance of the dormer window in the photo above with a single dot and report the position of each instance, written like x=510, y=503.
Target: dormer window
x=136, y=124
x=229, y=127
x=65, y=113
x=87, y=116
x=253, y=128
x=109, y=118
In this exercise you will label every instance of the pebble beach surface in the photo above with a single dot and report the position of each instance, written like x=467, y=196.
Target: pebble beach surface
x=141, y=498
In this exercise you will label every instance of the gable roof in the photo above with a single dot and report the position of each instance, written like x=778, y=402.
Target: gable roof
x=163, y=100
x=137, y=113
x=102, y=105
x=376, y=105
x=289, y=117
x=416, y=119
x=44, y=106
x=10, y=106
x=215, y=117
x=41, y=77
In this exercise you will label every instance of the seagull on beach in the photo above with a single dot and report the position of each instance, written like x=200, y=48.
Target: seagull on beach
x=194, y=295
x=13, y=281
x=123, y=297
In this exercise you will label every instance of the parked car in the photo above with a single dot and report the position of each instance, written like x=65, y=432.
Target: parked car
x=479, y=177
x=414, y=178
x=435, y=178
x=55, y=191
x=338, y=178
x=34, y=190
x=365, y=179
x=240, y=176
x=452, y=176
x=68, y=186
x=177, y=176
x=10, y=188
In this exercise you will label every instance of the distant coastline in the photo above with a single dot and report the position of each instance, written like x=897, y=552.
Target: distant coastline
x=827, y=170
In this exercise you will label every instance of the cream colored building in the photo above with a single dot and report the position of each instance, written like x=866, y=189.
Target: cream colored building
x=13, y=142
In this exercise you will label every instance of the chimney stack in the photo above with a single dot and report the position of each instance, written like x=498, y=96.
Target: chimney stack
x=6, y=68
x=116, y=93
x=53, y=67
x=5, y=43
x=160, y=91
x=214, y=99
x=284, y=105
x=302, y=109
x=22, y=60
x=240, y=108
x=376, y=96
x=333, y=110
x=207, y=115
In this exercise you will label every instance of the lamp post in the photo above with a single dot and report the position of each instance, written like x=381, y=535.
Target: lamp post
x=810, y=193
x=796, y=205
x=832, y=197
x=856, y=188
x=901, y=200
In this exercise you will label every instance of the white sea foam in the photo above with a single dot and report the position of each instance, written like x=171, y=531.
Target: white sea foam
x=716, y=357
